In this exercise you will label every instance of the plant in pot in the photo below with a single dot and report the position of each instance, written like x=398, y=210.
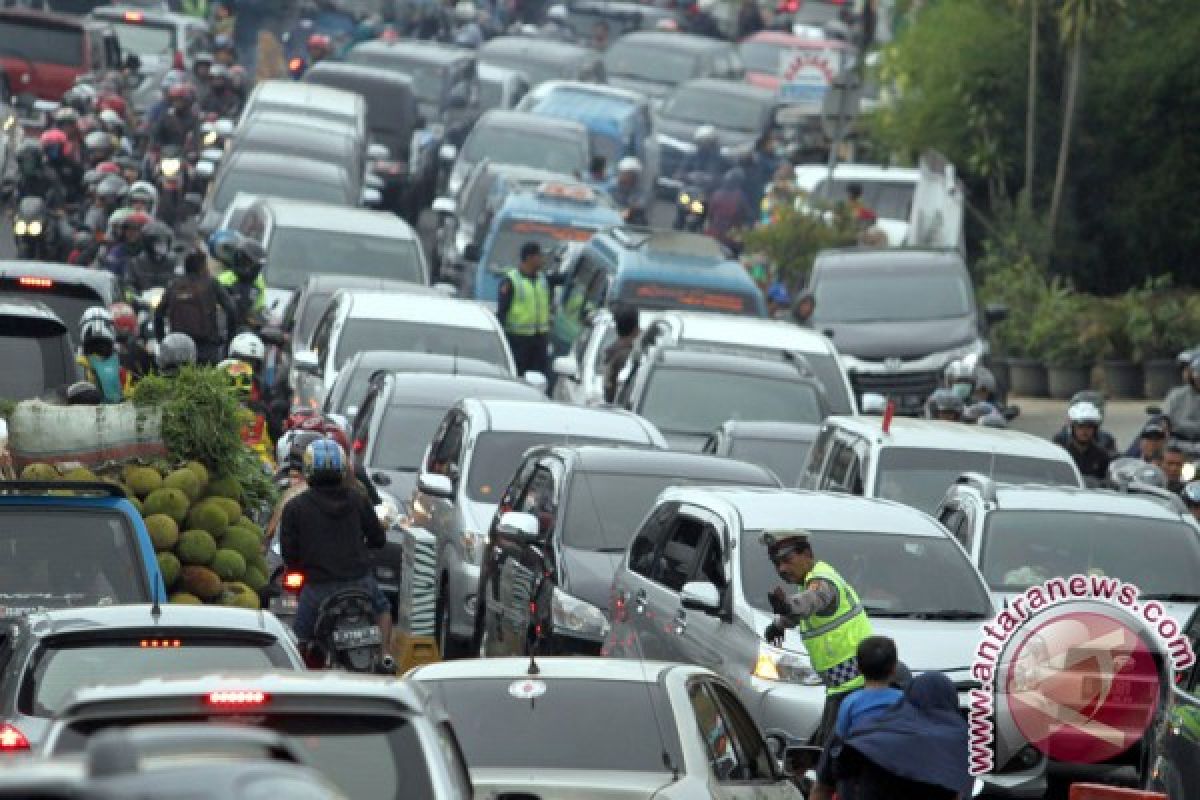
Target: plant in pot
x=1020, y=286
x=1108, y=325
x=1162, y=321
x=1061, y=337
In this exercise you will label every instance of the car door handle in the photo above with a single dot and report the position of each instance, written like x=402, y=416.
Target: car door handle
x=680, y=622
x=639, y=601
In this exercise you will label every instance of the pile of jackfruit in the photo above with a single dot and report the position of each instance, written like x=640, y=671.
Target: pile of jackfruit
x=208, y=550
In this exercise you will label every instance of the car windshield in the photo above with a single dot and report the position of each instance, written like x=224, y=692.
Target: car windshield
x=700, y=107
x=762, y=56
x=145, y=40
x=890, y=294
x=65, y=666
x=64, y=558
x=498, y=727
x=405, y=433
x=491, y=95
x=1024, y=548
x=290, y=187
x=41, y=43
x=32, y=365
x=919, y=478
x=888, y=199
x=496, y=452
x=527, y=148
x=484, y=344
x=670, y=296
x=296, y=253
x=368, y=757
x=715, y=397
x=784, y=457
x=514, y=233
x=894, y=574
x=629, y=59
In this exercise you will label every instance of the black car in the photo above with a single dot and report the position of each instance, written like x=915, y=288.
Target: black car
x=402, y=411
x=312, y=138
x=550, y=584
x=46, y=656
x=1171, y=754
x=409, y=178
x=36, y=354
x=899, y=317
x=280, y=175
x=443, y=79
x=544, y=60
x=349, y=390
x=655, y=62
x=781, y=447
x=741, y=113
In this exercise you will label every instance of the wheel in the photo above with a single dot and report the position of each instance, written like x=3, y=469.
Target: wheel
x=449, y=647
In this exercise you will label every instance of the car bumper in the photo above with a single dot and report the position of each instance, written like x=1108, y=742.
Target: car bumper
x=462, y=593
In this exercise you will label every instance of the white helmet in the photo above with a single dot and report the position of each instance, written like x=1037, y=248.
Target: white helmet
x=97, y=315
x=557, y=12
x=629, y=164
x=247, y=347
x=1084, y=414
x=464, y=11
x=705, y=133
x=97, y=328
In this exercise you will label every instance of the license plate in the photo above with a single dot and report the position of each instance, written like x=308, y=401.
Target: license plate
x=357, y=637
x=286, y=603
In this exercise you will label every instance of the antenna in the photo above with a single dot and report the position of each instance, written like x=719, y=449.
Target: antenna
x=666, y=754
x=889, y=411
x=155, y=609
x=454, y=363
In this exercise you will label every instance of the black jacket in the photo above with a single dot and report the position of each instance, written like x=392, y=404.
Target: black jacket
x=1092, y=460
x=325, y=531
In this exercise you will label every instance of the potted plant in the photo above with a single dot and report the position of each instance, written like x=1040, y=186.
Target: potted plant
x=1161, y=322
x=1021, y=287
x=1109, y=325
x=1060, y=337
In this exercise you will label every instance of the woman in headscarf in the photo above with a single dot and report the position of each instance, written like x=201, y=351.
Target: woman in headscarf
x=916, y=750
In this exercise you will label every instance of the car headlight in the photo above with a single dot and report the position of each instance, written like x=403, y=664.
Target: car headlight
x=8, y=123
x=577, y=616
x=210, y=138
x=976, y=348
x=472, y=545
x=170, y=167
x=781, y=666
x=34, y=228
x=19, y=227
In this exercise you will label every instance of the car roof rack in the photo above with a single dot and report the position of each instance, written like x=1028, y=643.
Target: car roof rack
x=977, y=480
x=79, y=487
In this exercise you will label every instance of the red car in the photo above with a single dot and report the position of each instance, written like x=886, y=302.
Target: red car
x=43, y=53
x=811, y=60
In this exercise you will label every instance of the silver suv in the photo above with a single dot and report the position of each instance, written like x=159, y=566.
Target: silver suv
x=464, y=474
x=694, y=584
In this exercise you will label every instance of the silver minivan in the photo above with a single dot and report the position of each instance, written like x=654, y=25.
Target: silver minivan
x=694, y=586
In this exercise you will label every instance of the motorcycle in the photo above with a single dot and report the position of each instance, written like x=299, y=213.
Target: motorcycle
x=691, y=204
x=171, y=180
x=345, y=636
x=37, y=233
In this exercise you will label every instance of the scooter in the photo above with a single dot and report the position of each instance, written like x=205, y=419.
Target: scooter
x=38, y=234
x=345, y=636
x=691, y=208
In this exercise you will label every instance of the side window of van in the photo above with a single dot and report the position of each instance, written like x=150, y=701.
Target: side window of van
x=810, y=478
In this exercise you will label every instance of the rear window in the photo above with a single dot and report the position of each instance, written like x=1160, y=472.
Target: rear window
x=784, y=457
x=483, y=344
x=66, y=666
x=31, y=366
x=56, y=558
x=652, y=295
x=406, y=432
x=67, y=300
x=41, y=44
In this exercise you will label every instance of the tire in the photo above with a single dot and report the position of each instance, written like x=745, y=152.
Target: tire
x=450, y=647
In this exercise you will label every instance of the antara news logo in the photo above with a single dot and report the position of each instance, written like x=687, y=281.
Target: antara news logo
x=1074, y=666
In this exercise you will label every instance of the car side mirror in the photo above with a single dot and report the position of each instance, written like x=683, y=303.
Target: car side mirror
x=380, y=479
x=471, y=252
x=565, y=367
x=447, y=152
x=273, y=335
x=995, y=313
x=1012, y=412
x=306, y=361
x=519, y=526
x=435, y=485
x=377, y=152
x=535, y=379
x=701, y=596
x=371, y=198
x=443, y=205
x=873, y=403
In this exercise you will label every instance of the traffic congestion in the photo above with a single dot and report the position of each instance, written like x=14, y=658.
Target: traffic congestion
x=525, y=399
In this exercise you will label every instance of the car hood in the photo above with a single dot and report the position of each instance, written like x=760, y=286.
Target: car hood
x=684, y=131
x=876, y=341
x=590, y=575
x=551, y=784
x=1180, y=612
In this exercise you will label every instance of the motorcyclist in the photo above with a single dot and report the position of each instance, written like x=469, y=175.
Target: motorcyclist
x=134, y=357
x=143, y=197
x=176, y=350
x=98, y=360
x=557, y=24
x=961, y=376
x=98, y=147
x=221, y=99
x=153, y=267
x=706, y=160
x=66, y=119
x=319, y=47
x=1083, y=420
x=110, y=193
x=944, y=405
x=1182, y=404
x=254, y=432
x=224, y=53
x=469, y=33
x=728, y=209
x=36, y=179
x=324, y=533
x=190, y=304
x=126, y=234
x=202, y=64
x=1103, y=437
x=70, y=175
x=179, y=126
x=627, y=192
x=242, y=278
x=700, y=19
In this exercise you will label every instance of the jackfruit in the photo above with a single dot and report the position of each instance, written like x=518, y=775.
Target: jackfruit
x=171, y=502
x=208, y=516
x=169, y=566
x=255, y=578
x=164, y=532
x=230, y=507
x=243, y=541
x=225, y=487
x=259, y=562
x=243, y=520
x=196, y=548
x=185, y=599
x=79, y=474
x=200, y=581
x=200, y=470
x=185, y=480
x=239, y=595
x=229, y=564
x=250, y=526
x=143, y=480
x=39, y=472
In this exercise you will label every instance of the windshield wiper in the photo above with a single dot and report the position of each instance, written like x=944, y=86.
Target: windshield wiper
x=608, y=550
x=949, y=614
x=1172, y=597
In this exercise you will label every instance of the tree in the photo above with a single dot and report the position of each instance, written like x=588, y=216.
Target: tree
x=1031, y=104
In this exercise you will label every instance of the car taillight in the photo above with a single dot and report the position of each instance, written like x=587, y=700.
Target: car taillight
x=30, y=282
x=295, y=65
x=236, y=697
x=293, y=581
x=134, y=16
x=12, y=740
x=156, y=644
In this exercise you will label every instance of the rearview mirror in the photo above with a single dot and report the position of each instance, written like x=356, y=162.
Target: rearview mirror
x=443, y=205
x=564, y=366
x=435, y=485
x=377, y=152
x=519, y=526
x=701, y=596
x=995, y=313
x=306, y=361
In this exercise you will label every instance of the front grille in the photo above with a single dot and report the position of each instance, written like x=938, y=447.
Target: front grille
x=909, y=390
x=417, y=607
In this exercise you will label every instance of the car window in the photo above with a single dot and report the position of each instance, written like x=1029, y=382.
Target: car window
x=681, y=554
x=540, y=497
x=811, y=477
x=749, y=743
x=296, y=253
x=784, y=457
x=482, y=344
x=31, y=365
x=44, y=45
x=724, y=759
x=403, y=436
x=447, y=450
x=955, y=520
x=324, y=329
x=649, y=539
x=716, y=396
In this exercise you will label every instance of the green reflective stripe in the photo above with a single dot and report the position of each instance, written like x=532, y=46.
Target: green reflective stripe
x=529, y=313
x=833, y=623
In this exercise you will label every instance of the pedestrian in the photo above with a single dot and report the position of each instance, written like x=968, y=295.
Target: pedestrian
x=802, y=309
x=190, y=305
x=877, y=660
x=616, y=356
x=524, y=310
x=858, y=210
x=779, y=302
x=761, y=167
x=915, y=750
x=1172, y=465
x=1084, y=419
x=827, y=612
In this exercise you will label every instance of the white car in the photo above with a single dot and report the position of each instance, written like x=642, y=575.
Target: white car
x=420, y=321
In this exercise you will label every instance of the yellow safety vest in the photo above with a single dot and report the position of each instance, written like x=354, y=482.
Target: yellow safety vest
x=832, y=641
x=529, y=313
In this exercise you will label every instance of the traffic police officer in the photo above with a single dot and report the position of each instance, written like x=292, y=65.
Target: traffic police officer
x=828, y=613
x=524, y=311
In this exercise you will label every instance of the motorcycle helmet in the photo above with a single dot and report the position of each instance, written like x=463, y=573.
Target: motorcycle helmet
x=324, y=463
x=112, y=122
x=54, y=143
x=222, y=246
x=99, y=146
x=111, y=190
x=557, y=13
x=66, y=116
x=1191, y=495
x=247, y=347
x=157, y=239
x=99, y=315
x=124, y=320
x=629, y=164
x=144, y=192
x=109, y=168
x=945, y=405
x=705, y=135
x=1084, y=413
x=98, y=337
x=240, y=375
x=249, y=257
x=1090, y=396
x=29, y=157
x=180, y=95
x=83, y=393
x=960, y=376
x=201, y=59
x=293, y=445
x=81, y=98
x=319, y=45
x=175, y=351
x=113, y=102
x=777, y=293
x=327, y=427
